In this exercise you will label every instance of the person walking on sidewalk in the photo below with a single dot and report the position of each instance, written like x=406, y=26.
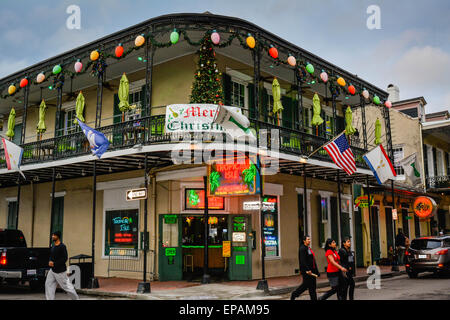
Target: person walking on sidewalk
x=400, y=244
x=58, y=272
x=308, y=269
x=348, y=262
x=334, y=271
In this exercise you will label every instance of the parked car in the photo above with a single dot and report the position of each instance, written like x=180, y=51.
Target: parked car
x=428, y=254
x=20, y=264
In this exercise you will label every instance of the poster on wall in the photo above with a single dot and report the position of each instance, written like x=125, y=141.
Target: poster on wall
x=270, y=214
x=232, y=178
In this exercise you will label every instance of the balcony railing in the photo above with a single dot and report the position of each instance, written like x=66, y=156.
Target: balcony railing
x=438, y=182
x=150, y=130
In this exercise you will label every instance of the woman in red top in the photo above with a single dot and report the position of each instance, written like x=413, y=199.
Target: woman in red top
x=334, y=270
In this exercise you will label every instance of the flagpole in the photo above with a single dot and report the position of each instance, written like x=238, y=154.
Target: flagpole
x=325, y=144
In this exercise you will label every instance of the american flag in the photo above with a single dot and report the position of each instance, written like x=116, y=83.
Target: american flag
x=339, y=150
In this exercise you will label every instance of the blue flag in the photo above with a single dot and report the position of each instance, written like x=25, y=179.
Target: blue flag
x=97, y=140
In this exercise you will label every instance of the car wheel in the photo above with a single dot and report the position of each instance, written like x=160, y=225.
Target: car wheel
x=412, y=274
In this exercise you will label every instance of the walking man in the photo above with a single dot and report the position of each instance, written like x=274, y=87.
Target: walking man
x=58, y=272
x=308, y=269
x=348, y=262
x=400, y=244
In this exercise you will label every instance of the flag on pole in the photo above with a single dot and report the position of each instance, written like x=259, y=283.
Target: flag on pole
x=97, y=140
x=233, y=121
x=379, y=163
x=13, y=155
x=411, y=168
x=339, y=150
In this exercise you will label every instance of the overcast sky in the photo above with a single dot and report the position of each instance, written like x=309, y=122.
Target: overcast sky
x=411, y=50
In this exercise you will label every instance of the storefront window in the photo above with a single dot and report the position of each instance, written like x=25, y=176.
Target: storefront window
x=194, y=230
x=122, y=232
x=271, y=217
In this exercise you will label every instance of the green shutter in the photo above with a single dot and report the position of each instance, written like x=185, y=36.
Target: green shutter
x=321, y=225
x=17, y=134
x=251, y=101
x=58, y=215
x=226, y=81
x=265, y=104
x=144, y=101
x=117, y=114
x=340, y=124
x=287, y=116
x=12, y=215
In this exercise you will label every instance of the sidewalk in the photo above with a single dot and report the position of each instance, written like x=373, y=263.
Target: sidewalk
x=184, y=290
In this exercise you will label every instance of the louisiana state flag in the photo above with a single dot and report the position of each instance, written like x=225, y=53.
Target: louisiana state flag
x=13, y=155
x=379, y=163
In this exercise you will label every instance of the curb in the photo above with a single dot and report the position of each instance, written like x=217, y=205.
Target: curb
x=271, y=292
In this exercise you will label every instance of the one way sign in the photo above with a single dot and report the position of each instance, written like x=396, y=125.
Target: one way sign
x=136, y=194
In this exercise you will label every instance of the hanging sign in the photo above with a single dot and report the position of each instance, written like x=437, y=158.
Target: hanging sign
x=195, y=199
x=238, y=177
x=136, y=194
x=361, y=202
x=193, y=118
x=424, y=207
x=394, y=214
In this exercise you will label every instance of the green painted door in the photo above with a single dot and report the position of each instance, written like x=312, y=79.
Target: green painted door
x=389, y=228
x=334, y=220
x=374, y=235
x=170, y=253
x=358, y=241
x=12, y=215
x=345, y=225
x=240, y=262
x=57, y=219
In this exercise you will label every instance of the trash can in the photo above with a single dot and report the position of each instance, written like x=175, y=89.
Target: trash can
x=85, y=268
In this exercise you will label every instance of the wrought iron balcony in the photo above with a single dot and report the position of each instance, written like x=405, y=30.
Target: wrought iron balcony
x=438, y=182
x=150, y=130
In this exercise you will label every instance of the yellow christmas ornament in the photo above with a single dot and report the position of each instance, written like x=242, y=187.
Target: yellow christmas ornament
x=94, y=55
x=139, y=41
x=341, y=81
x=250, y=41
x=11, y=89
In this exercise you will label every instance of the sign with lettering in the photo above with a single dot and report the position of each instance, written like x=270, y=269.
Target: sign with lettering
x=424, y=207
x=239, y=176
x=193, y=118
x=226, y=249
x=136, y=194
x=394, y=214
x=239, y=237
x=362, y=202
x=195, y=199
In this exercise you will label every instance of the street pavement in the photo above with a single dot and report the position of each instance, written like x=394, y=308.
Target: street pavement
x=427, y=286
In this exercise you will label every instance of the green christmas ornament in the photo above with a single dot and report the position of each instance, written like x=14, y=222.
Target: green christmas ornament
x=174, y=36
x=310, y=68
x=56, y=69
x=376, y=100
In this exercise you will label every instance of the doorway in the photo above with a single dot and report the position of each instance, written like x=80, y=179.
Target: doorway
x=389, y=228
x=374, y=234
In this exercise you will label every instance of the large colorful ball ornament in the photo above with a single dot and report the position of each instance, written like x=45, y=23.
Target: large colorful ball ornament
x=365, y=94
x=94, y=55
x=376, y=100
x=310, y=68
x=215, y=37
x=119, y=50
x=23, y=82
x=273, y=52
x=324, y=76
x=78, y=66
x=388, y=104
x=250, y=41
x=292, y=61
x=351, y=89
x=341, y=81
x=40, y=77
x=11, y=89
x=57, y=69
x=174, y=36
x=139, y=41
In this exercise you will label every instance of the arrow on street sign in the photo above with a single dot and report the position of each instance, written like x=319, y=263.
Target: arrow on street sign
x=136, y=194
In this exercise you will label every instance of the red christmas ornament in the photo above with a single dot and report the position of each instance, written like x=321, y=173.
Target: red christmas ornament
x=119, y=51
x=351, y=89
x=23, y=82
x=273, y=52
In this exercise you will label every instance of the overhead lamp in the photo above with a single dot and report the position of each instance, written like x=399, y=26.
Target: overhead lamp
x=303, y=159
x=58, y=176
x=110, y=169
x=83, y=173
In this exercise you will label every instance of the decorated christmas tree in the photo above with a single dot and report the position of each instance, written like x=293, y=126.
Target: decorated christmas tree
x=207, y=86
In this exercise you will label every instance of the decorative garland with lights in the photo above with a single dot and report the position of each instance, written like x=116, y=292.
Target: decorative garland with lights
x=305, y=69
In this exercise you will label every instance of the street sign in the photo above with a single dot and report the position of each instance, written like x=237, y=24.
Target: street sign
x=136, y=194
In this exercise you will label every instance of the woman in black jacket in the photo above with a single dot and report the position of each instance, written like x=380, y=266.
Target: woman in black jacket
x=308, y=269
